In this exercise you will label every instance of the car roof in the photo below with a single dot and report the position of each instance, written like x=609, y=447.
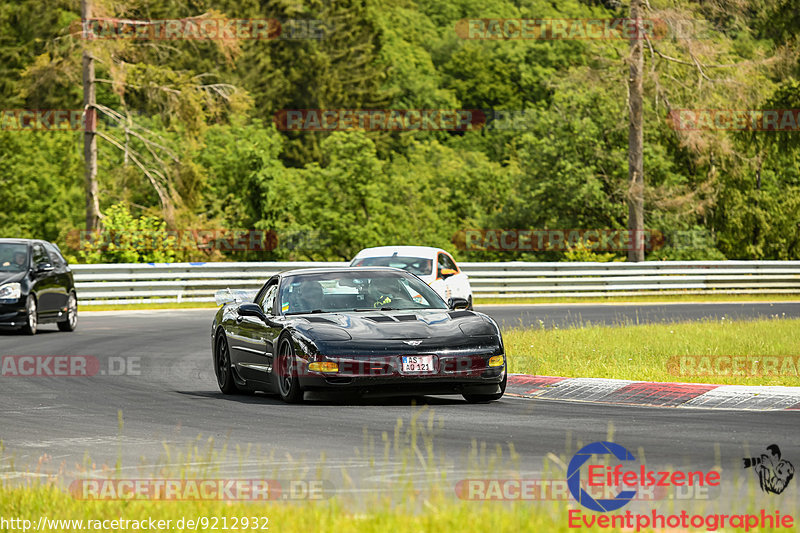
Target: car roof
x=328, y=270
x=425, y=252
x=29, y=241
x=18, y=241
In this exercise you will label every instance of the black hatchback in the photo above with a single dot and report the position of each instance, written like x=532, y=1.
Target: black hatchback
x=36, y=286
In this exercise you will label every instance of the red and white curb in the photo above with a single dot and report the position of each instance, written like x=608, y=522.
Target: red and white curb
x=626, y=392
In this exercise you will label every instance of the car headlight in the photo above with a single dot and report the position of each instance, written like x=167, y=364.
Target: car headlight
x=323, y=366
x=10, y=291
x=496, y=360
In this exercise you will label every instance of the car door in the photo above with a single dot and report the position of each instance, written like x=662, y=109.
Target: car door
x=60, y=273
x=255, y=337
x=46, y=283
x=456, y=282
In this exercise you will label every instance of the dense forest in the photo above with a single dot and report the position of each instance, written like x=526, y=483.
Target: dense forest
x=189, y=135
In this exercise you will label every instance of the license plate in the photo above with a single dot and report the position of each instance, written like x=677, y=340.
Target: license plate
x=418, y=364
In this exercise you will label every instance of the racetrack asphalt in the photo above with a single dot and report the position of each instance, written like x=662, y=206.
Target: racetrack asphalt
x=169, y=400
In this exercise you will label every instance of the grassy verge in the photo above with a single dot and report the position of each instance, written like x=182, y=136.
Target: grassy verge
x=423, y=493
x=446, y=516
x=643, y=352
x=420, y=497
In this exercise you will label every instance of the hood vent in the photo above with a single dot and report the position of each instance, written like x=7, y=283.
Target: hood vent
x=460, y=314
x=319, y=320
x=406, y=318
x=380, y=318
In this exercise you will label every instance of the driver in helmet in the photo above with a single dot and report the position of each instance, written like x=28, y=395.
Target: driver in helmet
x=310, y=296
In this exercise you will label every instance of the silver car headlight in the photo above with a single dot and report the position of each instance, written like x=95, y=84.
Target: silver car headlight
x=10, y=291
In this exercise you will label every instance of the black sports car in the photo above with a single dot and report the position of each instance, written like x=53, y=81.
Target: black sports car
x=36, y=286
x=373, y=330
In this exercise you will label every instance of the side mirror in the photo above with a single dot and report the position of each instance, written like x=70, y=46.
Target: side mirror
x=457, y=303
x=252, y=310
x=447, y=272
x=43, y=268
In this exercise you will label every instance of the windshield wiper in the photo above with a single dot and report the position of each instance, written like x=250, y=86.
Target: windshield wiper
x=305, y=312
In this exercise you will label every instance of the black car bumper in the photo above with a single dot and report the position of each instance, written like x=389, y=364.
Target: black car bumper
x=12, y=314
x=453, y=375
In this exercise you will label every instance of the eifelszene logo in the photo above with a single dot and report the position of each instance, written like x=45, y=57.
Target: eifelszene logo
x=630, y=479
x=774, y=473
x=574, y=476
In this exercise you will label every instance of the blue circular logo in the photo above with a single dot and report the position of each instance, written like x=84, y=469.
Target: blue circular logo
x=574, y=476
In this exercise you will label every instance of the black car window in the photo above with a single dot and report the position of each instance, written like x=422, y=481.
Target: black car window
x=39, y=255
x=267, y=299
x=55, y=258
x=13, y=257
x=445, y=262
x=415, y=265
x=355, y=290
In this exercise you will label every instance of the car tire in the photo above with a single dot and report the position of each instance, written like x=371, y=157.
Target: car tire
x=484, y=398
x=286, y=365
x=71, y=322
x=222, y=366
x=31, y=316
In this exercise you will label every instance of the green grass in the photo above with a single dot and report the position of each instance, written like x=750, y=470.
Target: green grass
x=445, y=516
x=642, y=352
x=414, y=503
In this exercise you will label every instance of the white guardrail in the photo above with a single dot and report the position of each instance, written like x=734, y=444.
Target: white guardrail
x=127, y=283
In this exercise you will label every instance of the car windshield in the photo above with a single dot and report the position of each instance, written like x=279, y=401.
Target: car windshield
x=356, y=290
x=415, y=265
x=13, y=257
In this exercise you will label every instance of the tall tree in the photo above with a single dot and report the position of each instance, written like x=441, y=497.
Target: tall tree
x=90, y=135
x=635, y=141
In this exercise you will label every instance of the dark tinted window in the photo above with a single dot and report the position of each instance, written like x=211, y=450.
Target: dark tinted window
x=415, y=265
x=55, y=257
x=39, y=255
x=267, y=299
x=13, y=257
x=445, y=262
x=355, y=290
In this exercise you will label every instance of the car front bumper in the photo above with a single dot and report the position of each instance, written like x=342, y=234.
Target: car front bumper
x=12, y=314
x=384, y=375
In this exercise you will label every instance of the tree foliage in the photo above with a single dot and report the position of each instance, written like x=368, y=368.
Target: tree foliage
x=189, y=141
